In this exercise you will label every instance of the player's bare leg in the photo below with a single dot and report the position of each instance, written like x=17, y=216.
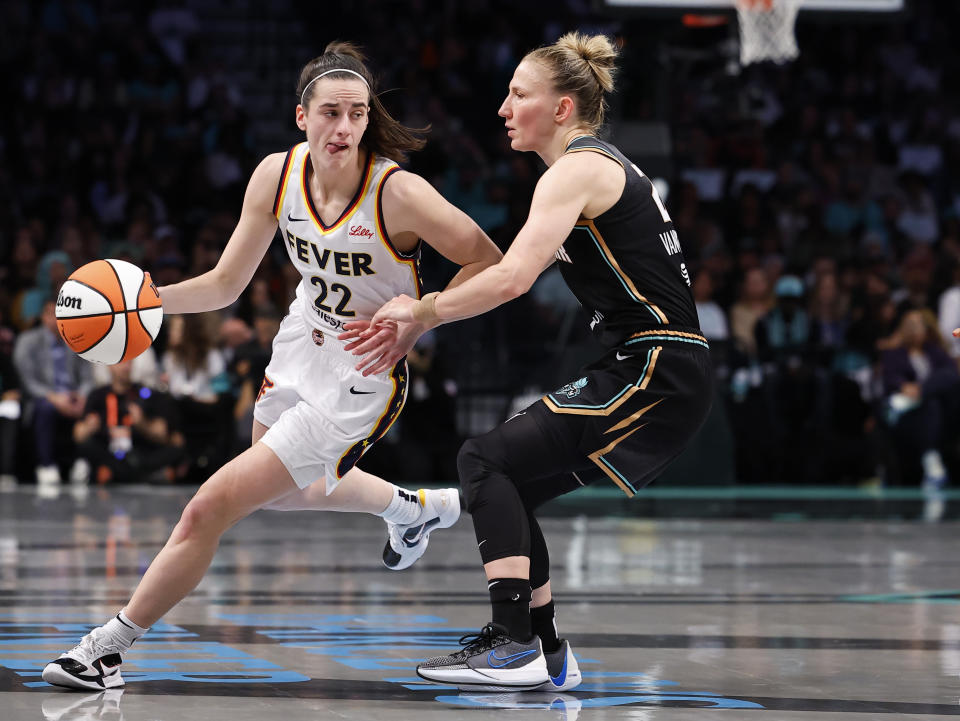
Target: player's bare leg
x=410, y=516
x=248, y=482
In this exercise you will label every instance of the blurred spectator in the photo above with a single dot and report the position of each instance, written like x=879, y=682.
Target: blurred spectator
x=129, y=432
x=783, y=334
x=428, y=435
x=249, y=363
x=193, y=367
x=754, y=303
x=55, y=382
x=195, y=373
x=144, y=371
x=948, y=316
x=53, y=270
x=713, y=321
x=9, y=417
x=922, y=396
x=828, y=319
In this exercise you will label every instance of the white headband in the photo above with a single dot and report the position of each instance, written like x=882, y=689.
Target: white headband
x=335, y=70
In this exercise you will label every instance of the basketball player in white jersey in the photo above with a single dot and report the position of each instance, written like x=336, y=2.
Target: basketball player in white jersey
x=351, y=221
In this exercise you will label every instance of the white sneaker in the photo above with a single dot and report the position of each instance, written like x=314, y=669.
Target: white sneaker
x=440, y=508
x=563, y=669
x=80, y=472
x=94, y=663
x=48, y=476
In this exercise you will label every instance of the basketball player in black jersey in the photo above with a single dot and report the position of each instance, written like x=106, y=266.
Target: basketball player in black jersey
x=624, y=417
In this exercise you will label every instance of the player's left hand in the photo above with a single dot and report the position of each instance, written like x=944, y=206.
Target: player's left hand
x=381, y=346
x=398, y=309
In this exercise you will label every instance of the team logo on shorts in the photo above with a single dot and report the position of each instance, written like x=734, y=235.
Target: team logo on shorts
x=318, y=336
x=573, y=389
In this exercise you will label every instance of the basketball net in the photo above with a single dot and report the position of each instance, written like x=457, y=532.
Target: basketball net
x=766, y=30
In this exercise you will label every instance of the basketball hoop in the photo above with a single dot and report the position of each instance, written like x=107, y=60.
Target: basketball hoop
x=766, y=30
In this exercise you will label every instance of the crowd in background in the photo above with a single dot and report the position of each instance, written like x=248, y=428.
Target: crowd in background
x=814, y=202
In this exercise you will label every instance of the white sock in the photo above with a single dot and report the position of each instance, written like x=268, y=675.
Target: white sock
x=933, y=467
x=123, y=630
x=404, y=507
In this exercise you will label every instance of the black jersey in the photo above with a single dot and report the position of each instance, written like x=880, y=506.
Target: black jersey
x=625, y=266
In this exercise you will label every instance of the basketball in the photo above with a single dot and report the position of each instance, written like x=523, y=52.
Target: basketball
x=109, y=311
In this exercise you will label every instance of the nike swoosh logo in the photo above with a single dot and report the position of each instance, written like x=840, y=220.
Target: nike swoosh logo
x=506, y=660
x=360, y=393
x=623, y=357
x=562, y=676
x=413, y=535
x=295, y=220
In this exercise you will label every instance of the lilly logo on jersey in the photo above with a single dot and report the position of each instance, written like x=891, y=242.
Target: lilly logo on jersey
x=360, y=231
x=67, y=301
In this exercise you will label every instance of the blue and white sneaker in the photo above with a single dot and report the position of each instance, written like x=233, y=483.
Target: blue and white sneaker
x=562, y=668
x=94, y=664
x=490, y=661
x=439, y=508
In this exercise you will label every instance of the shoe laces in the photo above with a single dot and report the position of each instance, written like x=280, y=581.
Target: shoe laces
x=489, y=637
x=90, y=647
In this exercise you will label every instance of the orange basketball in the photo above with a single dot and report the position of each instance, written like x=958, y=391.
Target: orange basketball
x=109, y=311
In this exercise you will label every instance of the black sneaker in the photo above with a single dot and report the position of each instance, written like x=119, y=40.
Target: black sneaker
x=490, y=661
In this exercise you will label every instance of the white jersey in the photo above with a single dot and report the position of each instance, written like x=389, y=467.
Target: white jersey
x=349, y=268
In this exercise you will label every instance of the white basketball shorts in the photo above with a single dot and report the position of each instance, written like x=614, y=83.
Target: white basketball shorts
x=321, y=413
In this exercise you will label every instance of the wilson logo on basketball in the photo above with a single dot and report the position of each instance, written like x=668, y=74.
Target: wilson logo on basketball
x=361, y=231
x=68, y=301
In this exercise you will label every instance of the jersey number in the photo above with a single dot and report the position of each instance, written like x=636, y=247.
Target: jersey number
x=656, y=196
x=336, y=288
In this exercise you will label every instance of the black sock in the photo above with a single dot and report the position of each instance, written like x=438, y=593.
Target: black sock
x=510, y=599
x=543, y=624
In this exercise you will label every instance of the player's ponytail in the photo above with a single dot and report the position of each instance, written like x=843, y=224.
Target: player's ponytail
x=583, y=66
x=384, y=135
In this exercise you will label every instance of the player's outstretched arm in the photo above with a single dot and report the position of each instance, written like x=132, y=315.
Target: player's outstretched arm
x=222, y=285
x=561, y=195
x=412, y=206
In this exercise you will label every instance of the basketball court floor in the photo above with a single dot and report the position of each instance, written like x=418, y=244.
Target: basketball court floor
x=671, y=619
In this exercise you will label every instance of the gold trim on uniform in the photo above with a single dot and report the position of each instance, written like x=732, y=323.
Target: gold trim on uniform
x=588, y=224
x=630, y=419
x=675, y=333
x=596, y=458
x=355, y=203
x=288, y=164
x=412, y=261
x=391, y=412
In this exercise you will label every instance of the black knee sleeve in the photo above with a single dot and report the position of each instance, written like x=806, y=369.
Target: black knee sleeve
x=499, y=517
x=470, y=468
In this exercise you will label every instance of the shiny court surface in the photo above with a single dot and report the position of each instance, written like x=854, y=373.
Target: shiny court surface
x=677, y=619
